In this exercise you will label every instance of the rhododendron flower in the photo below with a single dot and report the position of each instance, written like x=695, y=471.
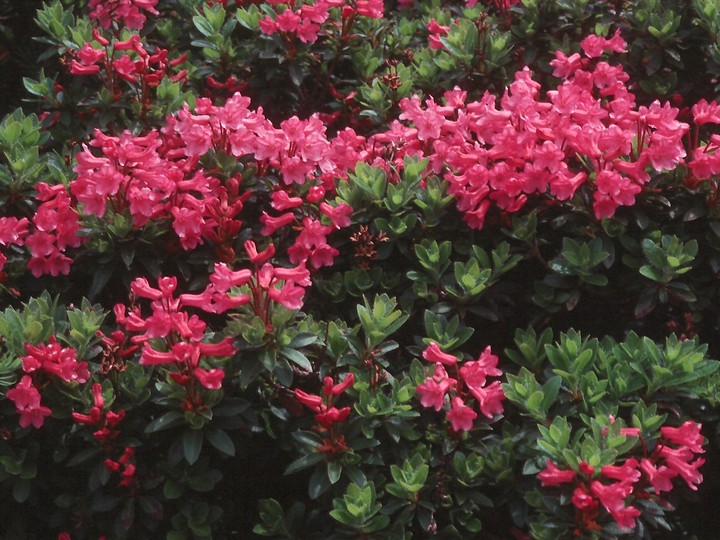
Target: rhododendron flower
x=432, y=391
x=461, y=417
x=594, y=46
x=705, y=112
x=552, y=476
x=53, y=358
x=660, y=477
x=27, y=402
x=127, y=12
x=627, y=472
x=687, y=435
x=436, y=32
x=332, y=416
x=679, y=460
x=612, y=497
x=582, y=500
x=332, y=389
x=432, y=353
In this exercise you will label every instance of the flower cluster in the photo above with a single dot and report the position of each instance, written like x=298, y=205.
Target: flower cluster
x=42, y=363
x=12, y=233
x=56, y=227
x=267, y=284
x=469, y=381
x=327, y=415
x=613, y=487
x=298, y=150
x=104, y=423
x=306, y=21
x=123, y=466
x=130, y=13
x=127, y=60
x=588, y=132
x=181, y=335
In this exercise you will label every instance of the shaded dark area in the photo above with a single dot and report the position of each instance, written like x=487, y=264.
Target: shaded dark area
x=18, y=50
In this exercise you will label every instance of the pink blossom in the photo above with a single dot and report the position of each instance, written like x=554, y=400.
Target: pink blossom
x=612, y=497
x=332, y=416
x=627, y=472
x=290, y=295
x=281, y=201
x=272, y=224
x=553, y=476
x=688, y=435
x=287, y=21
x=594, y=45
x=432, y=353
x=210, y=379
x=311, y=401
x=332, y=389
x=268, y=25
x=705, y=112
x=436, y=30
x=373, y=9
x=322, y=255
x=127, y=12
x=679, y=460
x=27, y=402
x=659, y=477
x=490, y=398
x=432, y=391
x=339, y=215
x=460, y=416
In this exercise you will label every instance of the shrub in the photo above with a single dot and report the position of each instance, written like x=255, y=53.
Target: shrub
x=361, y=270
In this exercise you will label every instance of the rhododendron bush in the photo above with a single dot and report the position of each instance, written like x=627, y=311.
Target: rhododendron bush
x=360, y=269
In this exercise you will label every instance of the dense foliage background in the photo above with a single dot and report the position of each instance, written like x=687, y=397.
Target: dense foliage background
x=359, y=269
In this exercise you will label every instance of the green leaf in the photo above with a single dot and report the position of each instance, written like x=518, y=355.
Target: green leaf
x=221, y=441
x=192, y=445
x=296, y=357
x=166, y=421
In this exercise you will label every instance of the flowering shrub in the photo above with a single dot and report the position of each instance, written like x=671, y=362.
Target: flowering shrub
x=361, y=270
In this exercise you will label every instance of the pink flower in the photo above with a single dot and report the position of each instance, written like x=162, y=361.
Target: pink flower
x=432, y=353
x=627, y=472
x=332, y=416
x=339, y=215
x=687, y=435
x=659, y=477
x=552, y=476
x=612, y=497
x=272, y=224
x=583, y=500
x=331, y=389
x=55, y=359
x=281, y=201
x=680, y=461
x=706, y=113
x=224, y=279
x=268, y=25
x=27, y=402
x=287, y=21
x=460, y=416
x=490, y=398
x=311, y=401
x=432, y=392
x=210, y=379
x=370, y=8
x=594, y=46
x=258, y=257
x=290, y=295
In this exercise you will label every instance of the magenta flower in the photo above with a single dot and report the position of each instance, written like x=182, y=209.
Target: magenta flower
x=432, y=353
x=553, y=476
x=460, y=416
